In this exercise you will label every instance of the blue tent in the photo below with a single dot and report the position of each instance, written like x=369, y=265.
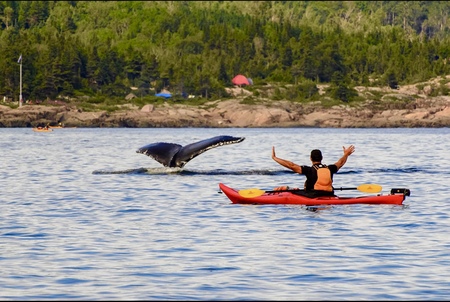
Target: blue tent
x=164, y=95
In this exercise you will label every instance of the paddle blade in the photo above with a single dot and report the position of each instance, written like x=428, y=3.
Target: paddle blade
x=249, y=193
x=370, y=188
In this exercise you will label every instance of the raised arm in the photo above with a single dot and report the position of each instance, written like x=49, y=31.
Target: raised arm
x=285, y=163
x=347, y=152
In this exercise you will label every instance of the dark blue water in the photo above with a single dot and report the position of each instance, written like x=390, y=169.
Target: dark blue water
x=85, y=217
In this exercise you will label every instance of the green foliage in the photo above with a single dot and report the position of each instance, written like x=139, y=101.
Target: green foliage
x=278, y=94
x=343, y=93
x=444, y=90
x=339, y=88
x=307, y=90
x=102, y=48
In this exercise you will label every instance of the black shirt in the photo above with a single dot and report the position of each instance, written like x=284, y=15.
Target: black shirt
x=311, y=175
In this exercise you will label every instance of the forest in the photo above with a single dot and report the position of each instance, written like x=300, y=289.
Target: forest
x=103, y=50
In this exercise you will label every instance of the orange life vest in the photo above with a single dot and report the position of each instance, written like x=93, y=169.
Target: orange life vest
x=324, y=181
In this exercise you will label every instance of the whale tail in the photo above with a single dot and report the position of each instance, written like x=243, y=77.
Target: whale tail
x=174, y=155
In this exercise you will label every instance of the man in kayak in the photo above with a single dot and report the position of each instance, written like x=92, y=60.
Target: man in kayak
x=319, y=177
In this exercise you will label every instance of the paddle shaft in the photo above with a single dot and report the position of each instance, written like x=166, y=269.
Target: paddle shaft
x=342, y=189
x=294, y=190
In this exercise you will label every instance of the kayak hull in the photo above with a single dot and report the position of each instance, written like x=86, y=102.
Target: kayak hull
x=42, y=130
x=286, y=197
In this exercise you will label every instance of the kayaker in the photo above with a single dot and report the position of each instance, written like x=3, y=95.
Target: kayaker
x=319, y=177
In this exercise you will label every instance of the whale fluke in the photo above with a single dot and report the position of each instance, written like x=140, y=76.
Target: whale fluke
x=174, y=155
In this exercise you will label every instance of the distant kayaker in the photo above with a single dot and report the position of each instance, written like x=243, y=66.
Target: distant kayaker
x=319, y=177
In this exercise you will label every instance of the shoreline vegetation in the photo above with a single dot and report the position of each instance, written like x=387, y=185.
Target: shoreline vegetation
x=406, y=106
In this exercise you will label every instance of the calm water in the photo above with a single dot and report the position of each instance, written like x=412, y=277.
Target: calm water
x=85, y=217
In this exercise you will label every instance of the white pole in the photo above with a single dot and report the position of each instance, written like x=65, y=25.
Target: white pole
x=20, y=96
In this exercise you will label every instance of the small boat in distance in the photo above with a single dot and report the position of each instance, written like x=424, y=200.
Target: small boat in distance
x=42, y=129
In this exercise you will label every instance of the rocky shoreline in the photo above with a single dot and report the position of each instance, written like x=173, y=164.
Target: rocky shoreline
x=406, y=107
x=432, y=113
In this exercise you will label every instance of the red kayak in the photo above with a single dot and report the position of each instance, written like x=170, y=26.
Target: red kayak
x=396, y=197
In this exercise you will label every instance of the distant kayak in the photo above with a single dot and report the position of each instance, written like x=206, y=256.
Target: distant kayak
x=42, y=129
x=395, y=197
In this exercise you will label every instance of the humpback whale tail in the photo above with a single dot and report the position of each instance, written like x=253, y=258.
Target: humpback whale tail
x=174, y=155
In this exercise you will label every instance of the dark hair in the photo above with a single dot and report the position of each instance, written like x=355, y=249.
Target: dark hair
x=316, y=155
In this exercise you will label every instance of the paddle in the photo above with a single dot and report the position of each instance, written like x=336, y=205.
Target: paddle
x=367, y=188
x=255, y=192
